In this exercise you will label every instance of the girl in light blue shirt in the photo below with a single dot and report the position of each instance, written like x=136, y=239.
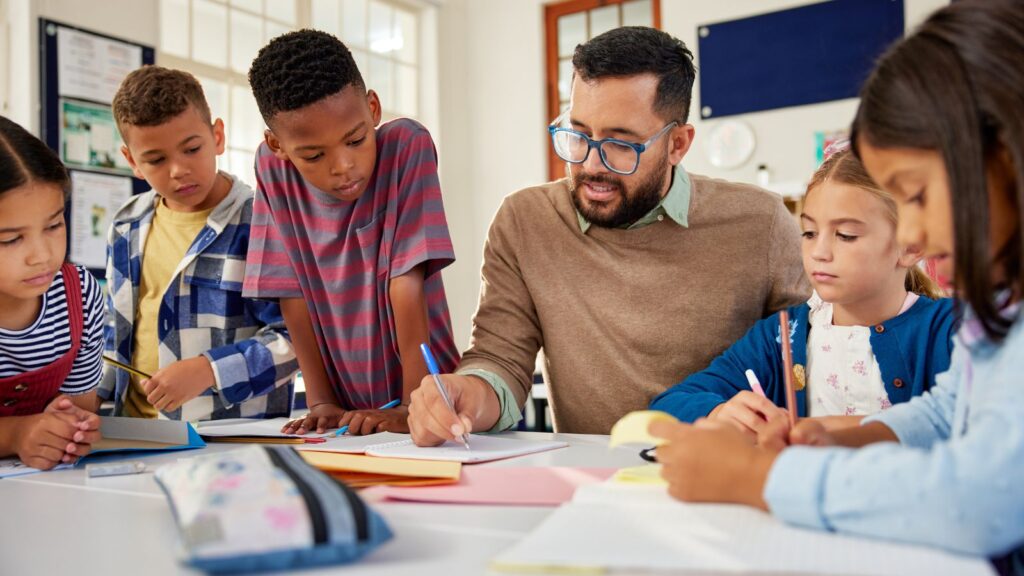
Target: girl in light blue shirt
x=941, y=126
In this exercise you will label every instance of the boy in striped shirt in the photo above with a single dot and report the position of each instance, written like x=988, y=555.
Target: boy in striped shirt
x=348, y=234
x=176, y=259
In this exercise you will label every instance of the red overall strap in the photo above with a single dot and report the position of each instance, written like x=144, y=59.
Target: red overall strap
x=30, y=392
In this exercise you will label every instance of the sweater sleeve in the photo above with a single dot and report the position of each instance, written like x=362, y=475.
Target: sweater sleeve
x=699, y=394
x=506, y=331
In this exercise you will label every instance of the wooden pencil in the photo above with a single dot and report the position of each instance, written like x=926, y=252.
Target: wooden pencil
x=787, y=366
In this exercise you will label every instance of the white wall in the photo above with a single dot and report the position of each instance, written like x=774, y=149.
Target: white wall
x=494, y=137
x=493, y=116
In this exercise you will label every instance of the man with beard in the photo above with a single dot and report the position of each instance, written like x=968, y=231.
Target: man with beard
x=631, y=273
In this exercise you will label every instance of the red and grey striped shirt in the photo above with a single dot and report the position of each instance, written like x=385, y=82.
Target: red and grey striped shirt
x=340, y=257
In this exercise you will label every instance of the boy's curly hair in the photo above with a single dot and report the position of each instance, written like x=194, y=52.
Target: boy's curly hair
x=299, y=68
x=153, y=95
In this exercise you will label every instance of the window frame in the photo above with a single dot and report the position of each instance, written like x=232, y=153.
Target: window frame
x=552, y=12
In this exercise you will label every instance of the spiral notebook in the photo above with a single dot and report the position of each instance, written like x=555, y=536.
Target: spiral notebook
x=483, y=448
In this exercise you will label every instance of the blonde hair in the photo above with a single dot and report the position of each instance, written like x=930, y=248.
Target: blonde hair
x=844, y=168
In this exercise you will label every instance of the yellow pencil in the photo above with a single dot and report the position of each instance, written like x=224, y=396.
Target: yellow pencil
x=125, y=367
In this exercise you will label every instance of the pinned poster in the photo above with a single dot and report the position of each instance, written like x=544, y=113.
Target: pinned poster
x=95, y=198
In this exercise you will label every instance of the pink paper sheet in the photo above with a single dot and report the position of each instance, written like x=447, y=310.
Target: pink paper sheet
x=500, y=485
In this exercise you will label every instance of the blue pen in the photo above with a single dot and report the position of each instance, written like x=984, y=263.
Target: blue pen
x=436, y=373
x=391, y=404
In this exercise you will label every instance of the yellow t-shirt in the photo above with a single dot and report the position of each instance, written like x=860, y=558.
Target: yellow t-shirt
x=170, y=236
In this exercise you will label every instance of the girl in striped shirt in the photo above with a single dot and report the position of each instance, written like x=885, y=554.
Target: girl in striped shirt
x=51, y=313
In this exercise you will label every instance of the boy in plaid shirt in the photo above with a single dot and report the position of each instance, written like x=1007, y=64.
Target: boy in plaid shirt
x=176, y=261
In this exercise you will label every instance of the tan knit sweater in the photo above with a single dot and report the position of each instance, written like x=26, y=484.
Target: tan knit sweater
x=623, y=314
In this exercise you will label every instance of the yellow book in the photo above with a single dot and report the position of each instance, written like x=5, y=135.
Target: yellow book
x=388, y=470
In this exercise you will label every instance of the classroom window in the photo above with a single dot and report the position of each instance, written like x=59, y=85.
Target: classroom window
x=573, y=22
x=384, y=39
x=217, y=40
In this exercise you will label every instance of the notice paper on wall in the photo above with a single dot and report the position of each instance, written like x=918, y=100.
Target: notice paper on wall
x=94, y=200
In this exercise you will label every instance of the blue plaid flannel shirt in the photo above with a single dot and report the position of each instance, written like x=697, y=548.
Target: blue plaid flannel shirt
x=202, y=313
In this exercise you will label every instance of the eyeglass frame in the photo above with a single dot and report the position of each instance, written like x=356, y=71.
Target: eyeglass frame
x=553, y=129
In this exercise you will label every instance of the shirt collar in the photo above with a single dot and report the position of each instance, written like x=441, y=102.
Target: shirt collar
x=675, y=204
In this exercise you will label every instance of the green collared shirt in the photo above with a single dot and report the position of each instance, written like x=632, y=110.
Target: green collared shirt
x=675, y=205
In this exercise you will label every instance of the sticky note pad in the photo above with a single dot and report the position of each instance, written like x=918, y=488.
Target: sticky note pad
x=632, y=428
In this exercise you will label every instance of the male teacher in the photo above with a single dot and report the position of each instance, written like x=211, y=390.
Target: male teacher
x=630, y=273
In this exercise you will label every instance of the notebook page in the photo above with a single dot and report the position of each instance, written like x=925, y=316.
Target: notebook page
x=483, y=448
x=640, y=528
x=347, y=444
x=251, y=427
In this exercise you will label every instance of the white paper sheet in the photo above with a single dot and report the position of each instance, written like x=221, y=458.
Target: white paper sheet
x=622, y=527
x=95, y=198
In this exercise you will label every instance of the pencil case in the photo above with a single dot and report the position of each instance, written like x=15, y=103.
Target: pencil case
x=263, y=508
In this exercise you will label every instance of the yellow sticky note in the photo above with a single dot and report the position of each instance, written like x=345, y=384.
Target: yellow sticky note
x=646, y=474
x=632, y=428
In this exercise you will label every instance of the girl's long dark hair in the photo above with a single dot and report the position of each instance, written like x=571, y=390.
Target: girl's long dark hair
x=24, y=158
x=956, y=86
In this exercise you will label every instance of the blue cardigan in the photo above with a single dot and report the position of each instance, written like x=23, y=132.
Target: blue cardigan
x=910, y=348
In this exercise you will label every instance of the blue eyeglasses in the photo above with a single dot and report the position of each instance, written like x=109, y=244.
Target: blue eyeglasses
x=617, y=155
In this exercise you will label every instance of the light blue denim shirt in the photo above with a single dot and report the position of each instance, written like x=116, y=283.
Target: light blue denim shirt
x=955, y=481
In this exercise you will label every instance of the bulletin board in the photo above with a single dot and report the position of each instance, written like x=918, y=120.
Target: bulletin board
x=815, y=53
x=79, y=73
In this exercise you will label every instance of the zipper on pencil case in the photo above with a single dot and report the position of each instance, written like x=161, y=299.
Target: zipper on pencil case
x=316, y=512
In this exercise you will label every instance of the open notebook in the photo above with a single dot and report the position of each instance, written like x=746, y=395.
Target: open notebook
x=238, y=429
x=483, y=448
x=613, y=527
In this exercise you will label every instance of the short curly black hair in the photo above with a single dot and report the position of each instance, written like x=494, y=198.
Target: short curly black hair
x=634, y=50
x=152, y=95
x=299, y=68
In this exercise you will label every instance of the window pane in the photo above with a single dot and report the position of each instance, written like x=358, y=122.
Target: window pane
x=282, y=10
x=246, y=39
x=603, y=19
x=216, y=96
x=254, y=6
x=363, y=63
x=353, y=22
x=637, y=13
x=406, y=91
x=174, y=27
x=379, y=80
x=405, y=29
x=564, y=78
x=381, y=37
x=246, y=127
x=326, y=15
x=273, y=30
x=210, y=33
x=240, y=163
x=572, y=30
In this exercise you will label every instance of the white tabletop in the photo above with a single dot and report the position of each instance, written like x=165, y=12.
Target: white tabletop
x=63, y=522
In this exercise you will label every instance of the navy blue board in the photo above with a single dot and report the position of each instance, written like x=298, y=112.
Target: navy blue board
x=49, y=117
x=805, y=55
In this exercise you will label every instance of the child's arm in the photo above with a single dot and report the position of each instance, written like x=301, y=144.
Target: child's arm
x=63, y=432
x=409, y=305
x=722, y=391
x=238, y=371
x=324, y=409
